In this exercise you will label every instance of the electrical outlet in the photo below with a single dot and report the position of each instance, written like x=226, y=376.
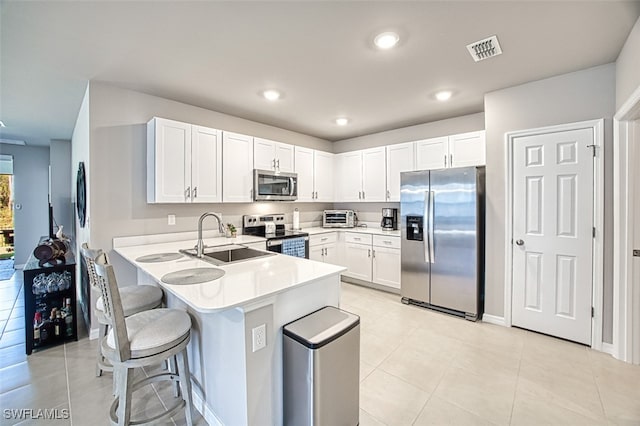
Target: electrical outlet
x=259, y=335
x=171, y=219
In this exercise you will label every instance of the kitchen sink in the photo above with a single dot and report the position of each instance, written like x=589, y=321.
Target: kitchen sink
x=230, y=253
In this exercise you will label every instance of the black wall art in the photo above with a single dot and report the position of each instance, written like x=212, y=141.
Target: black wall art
x=81, y=195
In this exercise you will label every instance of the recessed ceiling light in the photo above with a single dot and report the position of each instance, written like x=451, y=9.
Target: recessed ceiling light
x=271, y=95
x=386, y=40
x=444, y=95
x=342, y=121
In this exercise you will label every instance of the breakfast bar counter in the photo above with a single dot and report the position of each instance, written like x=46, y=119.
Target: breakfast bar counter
x=233, y=381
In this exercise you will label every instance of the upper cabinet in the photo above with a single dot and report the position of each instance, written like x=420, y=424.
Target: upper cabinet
x=465, y=149
x=271, y=155
x=361, y=175
x=237, y=173
x=184, y=163
x=315, y=174
x=400, y=158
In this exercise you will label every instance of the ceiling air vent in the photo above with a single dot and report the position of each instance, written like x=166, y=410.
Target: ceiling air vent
x=484, y=49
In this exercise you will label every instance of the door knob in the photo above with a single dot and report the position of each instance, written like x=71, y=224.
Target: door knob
x=519, y=242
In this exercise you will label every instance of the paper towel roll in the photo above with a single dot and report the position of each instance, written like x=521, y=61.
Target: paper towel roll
x=296, y=219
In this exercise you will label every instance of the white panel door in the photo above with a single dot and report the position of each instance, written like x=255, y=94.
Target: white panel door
x=304, y=169
x=552, y=234
x=173, y=161
x=374, y=177
x=432, y=153
x=348, y=185
x=467, y=149
x=323, y=181
x=400, y=158
x=264, y=154
x=331, y=253
x=206, y=165
x=237, y=168
x=386, y=266
x=358, y=259
x=284, y=157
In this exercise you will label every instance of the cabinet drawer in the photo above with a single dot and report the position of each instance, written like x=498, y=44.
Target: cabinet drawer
x=384, y=241
x=329, y=237
x=357, y=238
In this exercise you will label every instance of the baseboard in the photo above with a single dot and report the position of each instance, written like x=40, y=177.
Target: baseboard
x=608, y=348
x=492, y=319
x=204, y=409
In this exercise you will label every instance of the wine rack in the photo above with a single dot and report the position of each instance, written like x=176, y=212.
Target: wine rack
x=50, y=289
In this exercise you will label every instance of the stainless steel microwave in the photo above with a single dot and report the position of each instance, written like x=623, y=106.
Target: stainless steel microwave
x=269, y=185
x=338, y=219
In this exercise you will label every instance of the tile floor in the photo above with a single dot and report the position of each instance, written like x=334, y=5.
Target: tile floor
x=418, y=367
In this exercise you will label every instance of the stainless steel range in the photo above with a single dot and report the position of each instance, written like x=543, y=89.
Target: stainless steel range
x=279, y=240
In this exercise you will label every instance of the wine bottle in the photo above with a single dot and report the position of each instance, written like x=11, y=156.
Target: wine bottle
x=37, y=319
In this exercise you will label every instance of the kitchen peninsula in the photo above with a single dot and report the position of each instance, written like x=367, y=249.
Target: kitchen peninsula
x=232, y=383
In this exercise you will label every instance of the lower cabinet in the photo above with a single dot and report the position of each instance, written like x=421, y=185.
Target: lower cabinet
x=373, y=258
x=323, y=247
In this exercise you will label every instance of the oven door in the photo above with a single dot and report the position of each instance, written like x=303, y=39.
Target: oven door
x=296, y=246
x=271, y=186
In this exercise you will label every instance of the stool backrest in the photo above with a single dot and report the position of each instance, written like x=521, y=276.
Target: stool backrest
x=89, y=256
x=113, y=306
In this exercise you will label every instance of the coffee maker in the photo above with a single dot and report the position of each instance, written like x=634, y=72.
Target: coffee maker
x=389, y=219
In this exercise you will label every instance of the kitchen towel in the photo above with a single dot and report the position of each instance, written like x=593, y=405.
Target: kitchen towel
x=294, y=247
x=296, y=219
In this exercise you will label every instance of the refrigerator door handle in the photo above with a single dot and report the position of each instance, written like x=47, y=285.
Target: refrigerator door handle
x=427, y=243
x=432, y=241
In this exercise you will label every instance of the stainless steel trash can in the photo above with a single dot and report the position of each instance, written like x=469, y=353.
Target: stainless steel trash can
x=322, y=369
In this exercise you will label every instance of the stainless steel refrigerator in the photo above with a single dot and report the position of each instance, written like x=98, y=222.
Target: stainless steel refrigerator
x=442, y=215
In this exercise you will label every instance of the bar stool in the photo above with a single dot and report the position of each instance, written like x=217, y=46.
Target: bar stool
x=135, y=298
x=143, y=339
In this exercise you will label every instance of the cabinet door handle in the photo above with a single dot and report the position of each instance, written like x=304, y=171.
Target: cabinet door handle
x=388, y=195
x=387, y=242
x=273, y=163
x=450, y=160
x=187, y=192
x=278, y=164
x=369, y=253
x=374, y=253
x=195, y=192
x=445, y=160
x=324, y=239
x=359, y=195
x=363, y=197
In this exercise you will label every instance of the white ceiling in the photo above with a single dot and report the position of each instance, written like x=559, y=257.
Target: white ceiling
x=221, y=55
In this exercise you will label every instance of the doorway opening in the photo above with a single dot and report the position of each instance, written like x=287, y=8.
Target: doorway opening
x=6, y=217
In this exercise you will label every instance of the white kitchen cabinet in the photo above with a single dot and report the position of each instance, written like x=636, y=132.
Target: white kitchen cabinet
x=315, y=174
x=400, y=158
x=467, y=149
x=461, y=150
x=323, y=247
x=237, y=171
x=374, y=258
x=272, y=155
x=361, y=175
x=386, y=261
x=184, y=163
x=432, y=153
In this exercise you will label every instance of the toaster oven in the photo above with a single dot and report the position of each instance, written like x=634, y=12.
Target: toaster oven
x=338, y=219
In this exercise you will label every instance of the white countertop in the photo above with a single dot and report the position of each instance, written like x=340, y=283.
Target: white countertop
x=368, y=230
x=244, y=282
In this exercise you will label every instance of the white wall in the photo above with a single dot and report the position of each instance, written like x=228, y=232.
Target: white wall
x=31, y=186
x=60, y=162
x=465, y=123
x=628, y=67
x=578, y=96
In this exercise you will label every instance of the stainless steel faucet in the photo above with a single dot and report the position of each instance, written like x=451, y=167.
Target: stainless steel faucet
x=200, y=244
